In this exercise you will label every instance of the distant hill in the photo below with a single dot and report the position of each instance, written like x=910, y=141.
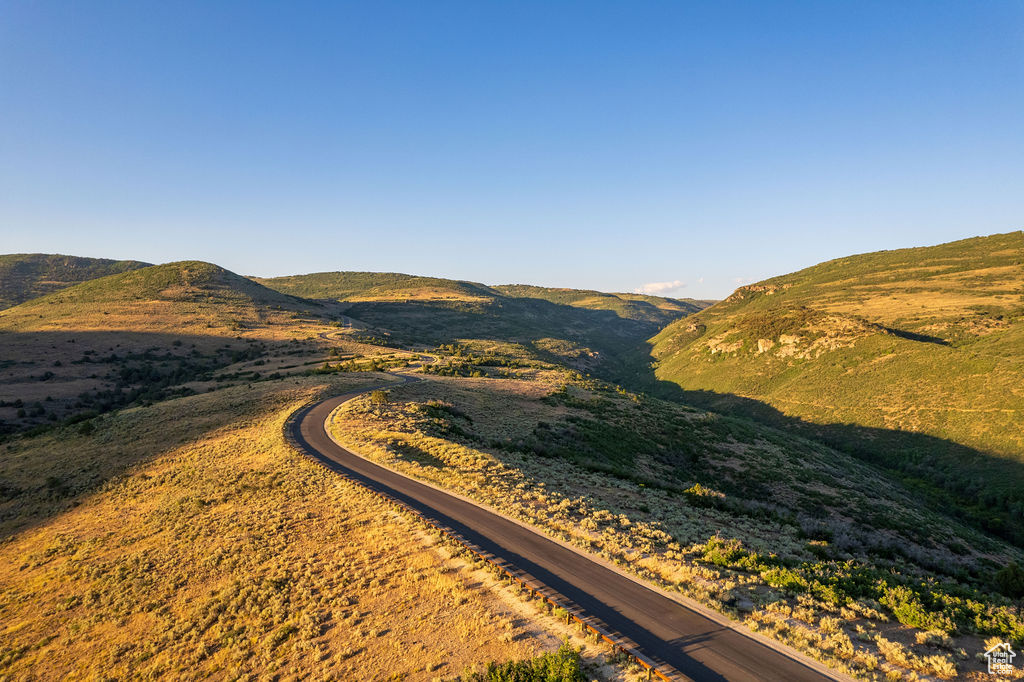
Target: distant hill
x=898, y=343
x=147, y=335
x=589, y=330
x=24, y=276
x=376, y=286
x=392, y=286
x=654, y=309
x=187, y=295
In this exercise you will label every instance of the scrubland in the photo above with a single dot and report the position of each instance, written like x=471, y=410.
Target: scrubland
x=186, y=539
x=908, y=359
x=799, y=542
x=154, y=523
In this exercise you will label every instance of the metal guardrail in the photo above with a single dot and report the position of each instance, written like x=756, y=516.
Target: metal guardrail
x=535, y=588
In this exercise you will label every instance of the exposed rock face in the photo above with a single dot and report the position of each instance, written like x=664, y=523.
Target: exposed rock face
x=752, y=290
x=718, y=344
x=764, y=345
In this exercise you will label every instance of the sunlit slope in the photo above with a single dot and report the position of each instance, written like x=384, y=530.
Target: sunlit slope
x=750, y=520
x=397, y=287
x=916, y=341
x=24, y=276
x=654, y=309
x=587, y=330
x=928, y=340
x=186, y=540
x=376, y=286
x=183, y=296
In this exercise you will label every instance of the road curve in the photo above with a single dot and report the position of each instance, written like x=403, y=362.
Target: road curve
x=667, y=632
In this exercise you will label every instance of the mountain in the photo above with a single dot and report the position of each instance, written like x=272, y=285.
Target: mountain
x=391, y=286
x=24, y=276
x=150, y=396
x=146, y=335
x=910, y=358
x=588, y=330
x=376, y=286
x=182, y=296
x=654, y=309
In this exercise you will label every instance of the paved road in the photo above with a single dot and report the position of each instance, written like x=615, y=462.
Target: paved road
x=664, y=630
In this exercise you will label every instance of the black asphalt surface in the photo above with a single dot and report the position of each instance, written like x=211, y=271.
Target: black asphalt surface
x=667, y=632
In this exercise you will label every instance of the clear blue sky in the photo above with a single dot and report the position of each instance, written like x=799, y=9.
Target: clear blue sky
x=594, y=144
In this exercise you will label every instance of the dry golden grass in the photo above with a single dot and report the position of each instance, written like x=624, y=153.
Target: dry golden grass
x=658, y=535
x=205, y=547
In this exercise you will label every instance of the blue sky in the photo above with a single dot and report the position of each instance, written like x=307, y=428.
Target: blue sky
x=596, y=145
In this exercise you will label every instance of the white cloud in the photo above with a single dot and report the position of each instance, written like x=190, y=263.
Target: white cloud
x=740, y=280
x=660, y=288
x=700, y=280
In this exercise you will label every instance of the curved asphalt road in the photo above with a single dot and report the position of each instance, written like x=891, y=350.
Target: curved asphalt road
x=664, y=630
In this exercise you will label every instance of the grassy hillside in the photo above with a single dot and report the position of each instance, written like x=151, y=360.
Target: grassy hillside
x=653, y=309
x=179, y=296
x=800, y=541
x=390, y=286
x=24, y=276
x=589, y=330
x=186, y=540
x=374, y=286
x=137, y=422
x=154, y=333
x=909, y=358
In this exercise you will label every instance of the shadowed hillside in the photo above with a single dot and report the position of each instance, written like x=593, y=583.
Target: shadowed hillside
x=867, y=570
x=24, y=276
x=174, y=296
x=150, y=334
x=654, y=309
x=916, y=341
x=588, y=330
x=374, y=286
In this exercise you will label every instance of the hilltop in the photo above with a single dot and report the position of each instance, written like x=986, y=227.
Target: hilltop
x=190, y=369
x=24, y=276
x=588, y=330
x=392, y=286
x=909, y=358
x=653, y=309
x=149, y=334
x=175, y=296
x=376, y=286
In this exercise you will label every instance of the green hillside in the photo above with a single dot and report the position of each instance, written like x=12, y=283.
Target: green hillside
x=909, y=358
x=153, y=333
x=171, y=296
x=654, y=309
x=871, y=544
x=361, y=286
x=588, y=330
x=767, y=526
x=24, y=276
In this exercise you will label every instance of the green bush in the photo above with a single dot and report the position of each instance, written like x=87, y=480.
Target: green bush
x=563, y=665
x=1010, y=580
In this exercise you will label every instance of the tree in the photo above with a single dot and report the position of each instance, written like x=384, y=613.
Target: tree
x=1010, y=580
x=379, y=398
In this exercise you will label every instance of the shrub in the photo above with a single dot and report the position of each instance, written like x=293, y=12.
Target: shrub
x=560, y=666
x=906, y=605
x=1010, y=580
